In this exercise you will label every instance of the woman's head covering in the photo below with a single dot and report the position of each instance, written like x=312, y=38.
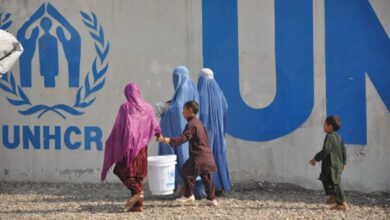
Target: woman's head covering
x=213, y=105
x=172, y=122
x=133, y=96
x=184, y=86
x=134, y=126
x=207, y=73
x=212, y=112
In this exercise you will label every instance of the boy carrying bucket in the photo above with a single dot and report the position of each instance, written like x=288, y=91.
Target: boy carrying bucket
x=201, y=161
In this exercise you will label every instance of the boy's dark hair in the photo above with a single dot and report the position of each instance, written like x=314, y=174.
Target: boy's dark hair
x=334, y=121
x=194, y=106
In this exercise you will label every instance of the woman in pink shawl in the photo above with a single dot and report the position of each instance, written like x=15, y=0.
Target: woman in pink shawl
x=134, y=127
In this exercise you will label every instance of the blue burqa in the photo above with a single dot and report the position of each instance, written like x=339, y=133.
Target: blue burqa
x=173, y=123
x=213, y=110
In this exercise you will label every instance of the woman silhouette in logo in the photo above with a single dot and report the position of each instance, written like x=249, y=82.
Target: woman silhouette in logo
x=48, y=54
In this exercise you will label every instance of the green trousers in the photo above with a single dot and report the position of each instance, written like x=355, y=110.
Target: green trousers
x=334, y=189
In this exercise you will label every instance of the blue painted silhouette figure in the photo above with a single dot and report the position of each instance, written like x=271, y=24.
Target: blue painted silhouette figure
x=48, y=64
x=72, y=46
x=48, y=54
x=29, y=45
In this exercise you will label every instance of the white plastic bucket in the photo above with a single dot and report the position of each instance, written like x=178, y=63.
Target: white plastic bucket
x=161, y=174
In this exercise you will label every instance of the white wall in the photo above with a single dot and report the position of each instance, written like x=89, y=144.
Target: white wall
x=147, y=40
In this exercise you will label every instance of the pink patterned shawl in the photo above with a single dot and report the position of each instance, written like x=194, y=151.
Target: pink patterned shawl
x=134, y=127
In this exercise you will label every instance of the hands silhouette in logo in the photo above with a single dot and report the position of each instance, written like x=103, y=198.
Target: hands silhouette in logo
x=72, y=46
x=29, y=45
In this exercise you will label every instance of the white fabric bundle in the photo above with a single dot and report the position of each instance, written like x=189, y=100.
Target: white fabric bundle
x=161, y=107
x=10, y=50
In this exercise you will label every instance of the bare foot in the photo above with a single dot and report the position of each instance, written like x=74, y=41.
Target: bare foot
x=134, y=199
x=340, y=207
x=135, y=209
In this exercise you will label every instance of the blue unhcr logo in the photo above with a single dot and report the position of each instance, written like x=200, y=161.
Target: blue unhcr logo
x=171, y=179
x=44, y=35
x=47, y=45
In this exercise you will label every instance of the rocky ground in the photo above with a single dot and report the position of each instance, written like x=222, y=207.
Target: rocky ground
x=256, y=200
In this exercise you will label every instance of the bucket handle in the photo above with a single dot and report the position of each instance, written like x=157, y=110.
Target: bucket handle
x=172, y=151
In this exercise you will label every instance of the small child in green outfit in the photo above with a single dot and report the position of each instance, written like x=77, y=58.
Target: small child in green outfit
x=334, y=158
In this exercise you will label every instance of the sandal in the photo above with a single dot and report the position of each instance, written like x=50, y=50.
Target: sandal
x=339, y=207
x=134, y=199
x=135, y=209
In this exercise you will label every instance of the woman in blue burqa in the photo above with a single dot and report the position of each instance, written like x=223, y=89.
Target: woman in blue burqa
x=173, y=123
x=213, y=110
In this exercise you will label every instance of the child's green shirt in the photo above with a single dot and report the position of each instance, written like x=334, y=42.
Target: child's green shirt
x=333, y=157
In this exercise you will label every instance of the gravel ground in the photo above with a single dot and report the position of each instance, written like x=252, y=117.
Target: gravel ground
x=256, y=200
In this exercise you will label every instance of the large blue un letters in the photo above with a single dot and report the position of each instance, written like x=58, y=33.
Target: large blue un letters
x=356, y=44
